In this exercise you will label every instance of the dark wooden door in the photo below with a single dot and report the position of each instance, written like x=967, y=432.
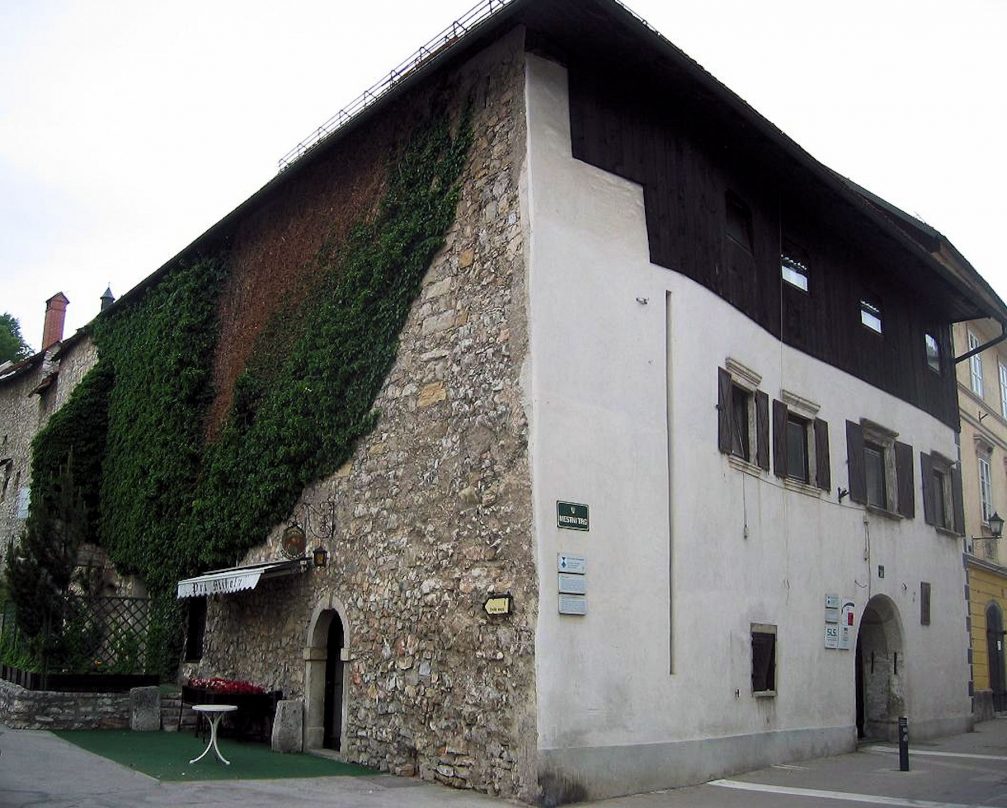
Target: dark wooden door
x=334, y=686
x=859, y=664
x=995, y=649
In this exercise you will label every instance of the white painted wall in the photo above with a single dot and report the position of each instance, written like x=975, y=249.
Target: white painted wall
x=599, y=435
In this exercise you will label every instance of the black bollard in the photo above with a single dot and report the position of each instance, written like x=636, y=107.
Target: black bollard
x=903, y=743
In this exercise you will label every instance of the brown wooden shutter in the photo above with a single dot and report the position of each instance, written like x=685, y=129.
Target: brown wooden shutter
x=823, y=468
x=855, y=462
x=927, y=475
x=723, y=411
x=779, y=438
x=924, y=603
x=904, y=480
x=956, y=496
x=762, y=429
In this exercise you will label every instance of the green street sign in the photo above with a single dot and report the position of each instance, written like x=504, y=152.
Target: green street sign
x=572, y=516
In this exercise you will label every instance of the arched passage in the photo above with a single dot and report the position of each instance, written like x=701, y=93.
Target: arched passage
x=325, y=703
x=880, y=672
x=995, y=651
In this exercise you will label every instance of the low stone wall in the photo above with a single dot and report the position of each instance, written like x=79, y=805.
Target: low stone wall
x=43, y=709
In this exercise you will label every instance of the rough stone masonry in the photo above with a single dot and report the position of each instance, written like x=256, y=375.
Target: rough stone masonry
x=433, y=512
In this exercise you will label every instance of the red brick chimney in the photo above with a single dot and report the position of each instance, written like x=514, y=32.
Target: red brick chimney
x=55, y=314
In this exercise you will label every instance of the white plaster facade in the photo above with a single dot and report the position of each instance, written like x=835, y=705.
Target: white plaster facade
x=688, y=548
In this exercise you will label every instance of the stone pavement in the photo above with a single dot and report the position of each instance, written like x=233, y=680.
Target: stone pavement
x=38, y=769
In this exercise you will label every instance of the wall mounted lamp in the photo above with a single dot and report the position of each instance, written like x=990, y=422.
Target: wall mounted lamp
x=996, y=525
x=320, y=556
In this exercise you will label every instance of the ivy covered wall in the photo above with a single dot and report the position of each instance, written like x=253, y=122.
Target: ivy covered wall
x=170, y=496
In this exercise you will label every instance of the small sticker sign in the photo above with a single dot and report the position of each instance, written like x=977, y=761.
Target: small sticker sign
x=499, y=604
x=572, y=516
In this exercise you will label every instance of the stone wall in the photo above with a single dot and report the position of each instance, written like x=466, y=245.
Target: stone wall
x=75, y=358
x=23, y=413
x=433, y=512
x=42, y=709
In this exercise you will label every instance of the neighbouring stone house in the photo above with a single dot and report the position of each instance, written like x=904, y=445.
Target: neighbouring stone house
x=30, y=391
x=650, y=493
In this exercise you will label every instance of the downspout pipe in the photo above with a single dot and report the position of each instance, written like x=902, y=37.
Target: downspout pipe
x=984, y=346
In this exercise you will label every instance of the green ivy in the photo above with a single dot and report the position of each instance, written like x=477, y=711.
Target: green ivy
x=168, y=503
x=296, y=419
x=158, y=350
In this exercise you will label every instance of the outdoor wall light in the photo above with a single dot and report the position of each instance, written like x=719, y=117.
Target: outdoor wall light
x=320, y=556
x=996, y=524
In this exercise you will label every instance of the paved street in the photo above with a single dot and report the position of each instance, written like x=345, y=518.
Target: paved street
x=38, y=769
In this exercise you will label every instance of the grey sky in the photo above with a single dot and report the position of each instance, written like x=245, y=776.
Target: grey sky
x=128, y=128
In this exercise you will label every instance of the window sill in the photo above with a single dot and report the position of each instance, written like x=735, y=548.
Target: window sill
x=746, y=466
x=764, y=694
x=895, y=517
x=946, y=531
x=802, y=487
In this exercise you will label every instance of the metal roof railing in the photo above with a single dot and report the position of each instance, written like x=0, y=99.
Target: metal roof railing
x=459, y=28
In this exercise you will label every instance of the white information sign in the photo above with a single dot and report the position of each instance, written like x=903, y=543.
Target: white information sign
x=846, y=620
x=832, y=608
x=571, y=564
x=572, y=604
x=831, y=635
x=572, y=584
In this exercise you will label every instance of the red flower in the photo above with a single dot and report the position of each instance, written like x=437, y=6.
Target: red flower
x=231, y=687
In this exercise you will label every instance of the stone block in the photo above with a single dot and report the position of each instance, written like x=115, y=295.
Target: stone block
x=288, y=726
x=145, y=709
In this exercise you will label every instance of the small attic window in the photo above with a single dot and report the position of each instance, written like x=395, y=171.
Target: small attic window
x=933, y=352
x=794, y=266
x=870, y=315
x=738, y=221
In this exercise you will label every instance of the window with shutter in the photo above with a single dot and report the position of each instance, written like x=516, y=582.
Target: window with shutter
x=938, y=496
x=743, y=415
x=797, y=448
x=880, y=469
x=800, y=442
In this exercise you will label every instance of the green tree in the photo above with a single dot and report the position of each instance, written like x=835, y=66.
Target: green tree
x=12, y=344
x=41, y=567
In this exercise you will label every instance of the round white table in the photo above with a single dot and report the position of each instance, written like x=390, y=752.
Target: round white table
x=214, y=712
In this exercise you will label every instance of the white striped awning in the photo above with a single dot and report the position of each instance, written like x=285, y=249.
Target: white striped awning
x=236, y=579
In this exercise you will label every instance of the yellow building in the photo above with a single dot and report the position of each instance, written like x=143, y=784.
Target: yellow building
x=982, y=398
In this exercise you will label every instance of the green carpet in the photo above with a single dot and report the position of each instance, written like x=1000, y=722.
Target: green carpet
x=166, y=755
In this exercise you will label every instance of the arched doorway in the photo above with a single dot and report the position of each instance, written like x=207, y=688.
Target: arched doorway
x=880, y=670
x=995, y=655
x=333, y=707
x=325, y=703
